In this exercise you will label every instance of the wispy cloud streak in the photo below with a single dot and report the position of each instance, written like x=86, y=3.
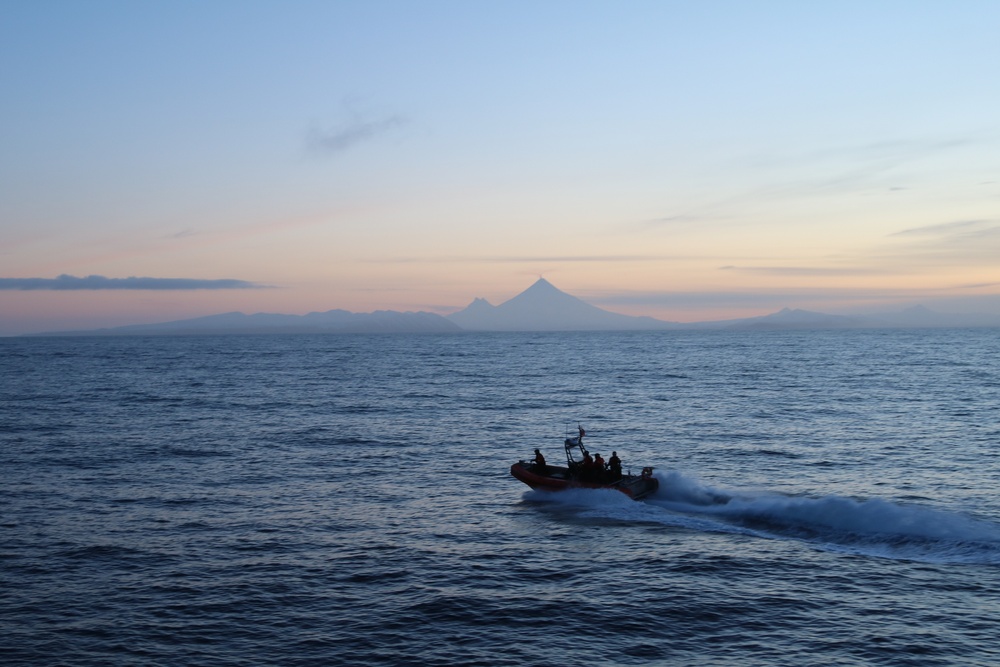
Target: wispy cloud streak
x=806, y=270
x=329, y=142
x=959, y=243
x=66, y=282
x=814, y=297
x=949, y=228
x=523, y=259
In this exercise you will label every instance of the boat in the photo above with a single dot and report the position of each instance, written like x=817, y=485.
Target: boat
x=577, y=475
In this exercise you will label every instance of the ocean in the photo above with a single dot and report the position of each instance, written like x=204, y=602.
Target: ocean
x=826, y=498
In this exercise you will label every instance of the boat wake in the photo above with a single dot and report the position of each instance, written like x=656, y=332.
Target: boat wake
x=874, y=527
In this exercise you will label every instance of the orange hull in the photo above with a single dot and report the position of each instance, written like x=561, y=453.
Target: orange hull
x=558, y=478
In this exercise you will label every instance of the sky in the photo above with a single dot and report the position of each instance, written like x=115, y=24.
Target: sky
x=690, y=161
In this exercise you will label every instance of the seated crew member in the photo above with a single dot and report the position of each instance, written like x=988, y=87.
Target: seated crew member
x=587, y=469
x=615, y=467
x=539, y=461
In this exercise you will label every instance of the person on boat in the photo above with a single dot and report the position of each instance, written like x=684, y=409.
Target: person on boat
x=587, y=469
x=615, y=467
x=539, y=462
x=598, y=467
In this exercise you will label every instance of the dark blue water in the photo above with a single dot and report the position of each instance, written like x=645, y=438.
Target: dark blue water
x=827, y=498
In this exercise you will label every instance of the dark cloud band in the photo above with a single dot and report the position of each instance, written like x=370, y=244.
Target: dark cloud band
x=65, y=282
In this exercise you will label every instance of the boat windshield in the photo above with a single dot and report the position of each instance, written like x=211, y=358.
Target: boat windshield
x=574, y=449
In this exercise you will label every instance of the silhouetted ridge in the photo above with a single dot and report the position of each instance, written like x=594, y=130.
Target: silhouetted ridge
x=541, y=307
x=331, y=321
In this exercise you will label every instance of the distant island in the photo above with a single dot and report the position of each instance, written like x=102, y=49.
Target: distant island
x=541, y=307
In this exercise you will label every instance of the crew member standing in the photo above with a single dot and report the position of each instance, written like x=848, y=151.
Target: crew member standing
x=615, y=467
x=598, y=467
x=587, y=469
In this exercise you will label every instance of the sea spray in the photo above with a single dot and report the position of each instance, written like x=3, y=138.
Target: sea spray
x=873, y=527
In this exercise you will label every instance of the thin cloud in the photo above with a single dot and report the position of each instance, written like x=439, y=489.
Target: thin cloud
x=775, y=297
x=66, y=282
x=677, y=219
x=804, y=270
x=859, y=163
x=763, y=298
x=979, y=285
x=574, y=258
x=862, y=169
x=328, y=142
x=959, y=243
x=525, y=259
x=947, y=228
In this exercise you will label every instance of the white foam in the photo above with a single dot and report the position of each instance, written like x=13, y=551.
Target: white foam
x=873, y=527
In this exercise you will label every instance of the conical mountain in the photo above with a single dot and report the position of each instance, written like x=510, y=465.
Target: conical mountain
x=543, y=307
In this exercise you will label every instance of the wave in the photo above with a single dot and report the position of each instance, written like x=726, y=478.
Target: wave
x=872, y=527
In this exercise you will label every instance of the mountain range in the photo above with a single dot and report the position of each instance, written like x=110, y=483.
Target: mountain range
x=541, y=307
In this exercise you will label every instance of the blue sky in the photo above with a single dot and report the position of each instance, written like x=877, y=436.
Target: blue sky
x=682, y=160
